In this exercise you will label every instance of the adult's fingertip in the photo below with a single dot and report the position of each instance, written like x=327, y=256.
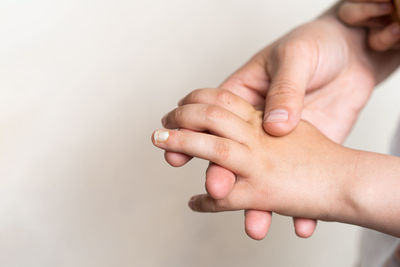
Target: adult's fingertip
x=279, y=123
x=277, y=116
x=276, y=129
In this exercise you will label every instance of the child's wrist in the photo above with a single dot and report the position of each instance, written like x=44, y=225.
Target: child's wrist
x=341, y=169
x=344, y=208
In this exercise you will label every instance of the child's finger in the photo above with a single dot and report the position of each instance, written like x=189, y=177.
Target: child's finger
x=222, y=98
x=176, y=159
x=219, y=184
x=386, y=38
x=222, y=151
x=239, y=199
x=257, y=223
x=219, y=181
x=357, y=13
x=304, y=228
x=217, y=120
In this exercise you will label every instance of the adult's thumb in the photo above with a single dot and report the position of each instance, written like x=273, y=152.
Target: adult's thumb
x=285, y=97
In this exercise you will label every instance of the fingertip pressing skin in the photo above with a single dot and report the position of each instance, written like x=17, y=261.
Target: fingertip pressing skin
x=281, y=123
x=277, y=129
x=285, y=98
x=277, y=115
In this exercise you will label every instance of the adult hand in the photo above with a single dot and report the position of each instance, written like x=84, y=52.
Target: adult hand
x=320, y=72
x=376, y=15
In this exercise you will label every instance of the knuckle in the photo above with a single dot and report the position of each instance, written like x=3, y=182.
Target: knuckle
x=224, y=97
x=221, y=149
x=213, y=113
x=178, y=141
x=195, y=96
x=179, y=115
x=284, y=87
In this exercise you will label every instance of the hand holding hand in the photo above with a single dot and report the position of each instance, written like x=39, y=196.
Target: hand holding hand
x=320, y=72
x=301, y=174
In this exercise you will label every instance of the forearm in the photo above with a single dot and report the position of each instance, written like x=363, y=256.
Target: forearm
x=371, y=193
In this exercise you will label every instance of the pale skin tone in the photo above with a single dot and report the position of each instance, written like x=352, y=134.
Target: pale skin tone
x=321, y=72
x=303, y=174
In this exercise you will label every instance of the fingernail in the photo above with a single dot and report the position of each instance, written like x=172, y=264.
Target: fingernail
x=161, y=136
x=385, y=6
x=277, y=115
x=395, y=29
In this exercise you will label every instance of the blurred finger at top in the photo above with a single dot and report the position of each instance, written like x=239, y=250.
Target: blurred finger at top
x=358, y=13
x=388, y=38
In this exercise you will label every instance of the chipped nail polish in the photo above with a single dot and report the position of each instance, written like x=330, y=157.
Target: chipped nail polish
x=161, y=136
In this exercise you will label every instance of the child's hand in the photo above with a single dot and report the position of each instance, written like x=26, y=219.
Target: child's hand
x=298, y=175
x=384, y=33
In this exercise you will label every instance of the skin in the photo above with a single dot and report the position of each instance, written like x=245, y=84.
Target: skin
x=320, y=72
x=376, y=15
x=303, y=174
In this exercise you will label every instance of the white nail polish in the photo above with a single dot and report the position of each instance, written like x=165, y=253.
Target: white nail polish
x=161, y=136
x=277, y=115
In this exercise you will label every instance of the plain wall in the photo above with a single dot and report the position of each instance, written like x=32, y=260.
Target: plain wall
x=82, y=86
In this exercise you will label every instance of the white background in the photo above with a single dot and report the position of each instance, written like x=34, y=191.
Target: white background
x=82, y=86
